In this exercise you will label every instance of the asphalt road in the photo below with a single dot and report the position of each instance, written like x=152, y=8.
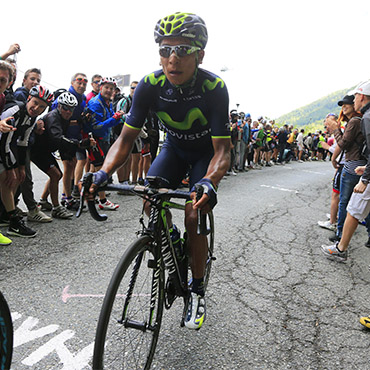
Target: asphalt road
x=274, y=301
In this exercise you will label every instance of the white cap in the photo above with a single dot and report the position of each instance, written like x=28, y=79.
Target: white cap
x=363, y=88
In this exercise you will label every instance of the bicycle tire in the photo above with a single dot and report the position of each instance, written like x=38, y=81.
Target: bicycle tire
x=6, y=335
x=131, y=344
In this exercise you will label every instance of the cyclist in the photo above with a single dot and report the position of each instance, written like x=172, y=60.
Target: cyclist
x=13, y=147
x=54, y=138
x=192, y=106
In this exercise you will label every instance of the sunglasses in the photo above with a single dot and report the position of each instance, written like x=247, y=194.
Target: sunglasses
x=66, y=108
x=80, y=79
x=96, y=82
x=132, y=87
x=180, y=50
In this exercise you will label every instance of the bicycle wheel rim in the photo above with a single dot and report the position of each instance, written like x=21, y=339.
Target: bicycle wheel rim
x=122, y=345
x=6, y=335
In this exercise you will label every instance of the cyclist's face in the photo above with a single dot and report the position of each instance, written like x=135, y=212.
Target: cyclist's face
x=180, y=70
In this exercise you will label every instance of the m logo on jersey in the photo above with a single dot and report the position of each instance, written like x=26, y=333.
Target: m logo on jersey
x=185, y=125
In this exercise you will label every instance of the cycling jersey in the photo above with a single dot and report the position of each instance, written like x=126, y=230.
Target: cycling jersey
x=190, y=115
x=13, y=144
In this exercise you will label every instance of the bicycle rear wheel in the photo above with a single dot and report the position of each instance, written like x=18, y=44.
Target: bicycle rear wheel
x=6, y=335
x=130, y=318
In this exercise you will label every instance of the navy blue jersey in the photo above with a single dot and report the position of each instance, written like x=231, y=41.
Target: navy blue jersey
x=191, y=115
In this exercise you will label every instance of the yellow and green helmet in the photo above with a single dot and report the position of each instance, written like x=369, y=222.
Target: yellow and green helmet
x=186, y=25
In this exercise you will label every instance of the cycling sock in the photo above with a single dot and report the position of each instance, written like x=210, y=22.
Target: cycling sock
x=198, y=286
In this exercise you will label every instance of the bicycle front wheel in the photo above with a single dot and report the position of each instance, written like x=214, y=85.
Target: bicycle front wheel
x=6, y=335
x=130, y=318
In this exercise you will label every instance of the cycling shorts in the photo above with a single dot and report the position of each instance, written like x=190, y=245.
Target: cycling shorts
x=172, y=164
x=44, y=160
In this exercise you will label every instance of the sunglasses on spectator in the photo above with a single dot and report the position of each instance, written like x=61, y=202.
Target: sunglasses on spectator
x=96, y=82
x=67, y=108
x=80, y=79
x=133, y=87
x=180, y=50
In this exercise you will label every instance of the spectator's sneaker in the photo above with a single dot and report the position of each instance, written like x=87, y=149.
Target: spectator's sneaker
x=365, y=321
x=327, y=225
x=4, y=240
x=4, y=219
x=332, y=252
x=20, y=212
x=108, y=205
x=17, y=227
x=62, y=213
x=195, y=312
x=45, y=205
x=36, y=215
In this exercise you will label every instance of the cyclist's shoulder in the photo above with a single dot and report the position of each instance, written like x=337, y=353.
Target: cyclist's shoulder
x=156, y=78
x=209, y=80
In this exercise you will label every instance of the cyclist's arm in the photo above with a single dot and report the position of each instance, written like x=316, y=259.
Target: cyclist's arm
x=217, y=167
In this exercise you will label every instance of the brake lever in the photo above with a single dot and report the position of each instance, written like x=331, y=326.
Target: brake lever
x=202, y=217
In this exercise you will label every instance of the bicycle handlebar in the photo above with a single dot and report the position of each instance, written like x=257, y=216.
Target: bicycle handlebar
x=139, y=190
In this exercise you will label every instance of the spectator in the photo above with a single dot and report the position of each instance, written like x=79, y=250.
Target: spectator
x=132, y=164
x=102, y=119
x=300, y=145
x=351, y=142
x=12, y=171
x=282, y=138
x=95, y=83
x=359, y=204
x=32, y=77
x=74, y=160
x=53, y=138
x=244, y=142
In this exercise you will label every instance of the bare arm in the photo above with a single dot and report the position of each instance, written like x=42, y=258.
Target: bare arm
x=120, y=150
x=217, y=167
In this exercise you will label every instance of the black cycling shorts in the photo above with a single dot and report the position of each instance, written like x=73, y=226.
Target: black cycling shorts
x=44, y=160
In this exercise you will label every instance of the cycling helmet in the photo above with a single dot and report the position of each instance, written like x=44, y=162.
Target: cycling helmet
x=108, y=80
x=42, y=93
x=67, y=99
x=186, y=25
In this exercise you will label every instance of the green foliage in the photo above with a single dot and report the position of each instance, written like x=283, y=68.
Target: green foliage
x=311, y=116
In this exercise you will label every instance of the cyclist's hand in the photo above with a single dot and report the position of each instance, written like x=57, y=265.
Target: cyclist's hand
x=209, y=198
x=99, y=178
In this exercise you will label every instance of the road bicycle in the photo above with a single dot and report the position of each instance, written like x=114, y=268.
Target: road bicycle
x=150, y=275
x=6, y=335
